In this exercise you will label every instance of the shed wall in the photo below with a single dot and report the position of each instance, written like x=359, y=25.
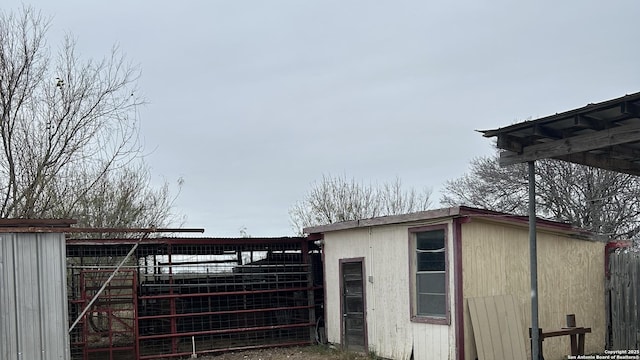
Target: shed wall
x=570, y=281
x=391, y=333
x=33, y=300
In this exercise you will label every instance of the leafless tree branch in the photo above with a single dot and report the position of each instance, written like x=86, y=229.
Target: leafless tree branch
x=68, y=128
x=336, y=199
x=601, y=201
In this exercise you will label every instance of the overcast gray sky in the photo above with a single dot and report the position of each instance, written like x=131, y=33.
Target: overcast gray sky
x=250, y=102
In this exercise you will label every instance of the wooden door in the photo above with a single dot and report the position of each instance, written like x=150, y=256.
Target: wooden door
x=354, y=326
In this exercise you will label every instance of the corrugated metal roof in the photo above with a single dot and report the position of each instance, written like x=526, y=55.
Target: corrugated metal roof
x=604, y=135
x=456, y=211
x=184, y=246
x=93, y=230
x=185, y=240
x=37, y=222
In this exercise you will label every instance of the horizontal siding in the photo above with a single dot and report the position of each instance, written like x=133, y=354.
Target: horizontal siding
x=570, y=280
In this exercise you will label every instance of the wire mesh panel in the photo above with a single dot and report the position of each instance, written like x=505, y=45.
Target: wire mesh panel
x=206, y=295
x=107, y=330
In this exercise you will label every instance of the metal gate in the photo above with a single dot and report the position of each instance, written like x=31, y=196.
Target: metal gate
x=181, y=297
x=108, y=330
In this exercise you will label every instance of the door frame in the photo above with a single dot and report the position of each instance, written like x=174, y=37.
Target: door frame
x=360, y=260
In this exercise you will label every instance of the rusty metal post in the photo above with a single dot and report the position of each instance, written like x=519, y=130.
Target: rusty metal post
x=172, y=303
x=136, y=320
x=306, y=261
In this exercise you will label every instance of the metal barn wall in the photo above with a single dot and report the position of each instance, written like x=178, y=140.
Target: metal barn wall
x=570, y=280
x=391, y=334
x=33, y=299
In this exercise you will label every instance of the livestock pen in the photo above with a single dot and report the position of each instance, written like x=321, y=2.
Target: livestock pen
x=175, y=297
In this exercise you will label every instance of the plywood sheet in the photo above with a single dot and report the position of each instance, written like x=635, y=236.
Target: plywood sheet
x=497, y=328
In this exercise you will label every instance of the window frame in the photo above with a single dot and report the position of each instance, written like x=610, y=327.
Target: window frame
x=415, y=317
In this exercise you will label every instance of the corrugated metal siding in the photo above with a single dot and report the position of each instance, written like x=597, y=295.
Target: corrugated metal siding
x=570, y=280
x=33, y=301
x=391, y=334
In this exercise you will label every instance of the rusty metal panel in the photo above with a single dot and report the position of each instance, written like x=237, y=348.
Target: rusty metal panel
x=186, y=296
x=33, y=299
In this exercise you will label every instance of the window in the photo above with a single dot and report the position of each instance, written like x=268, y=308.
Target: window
x=429, y=274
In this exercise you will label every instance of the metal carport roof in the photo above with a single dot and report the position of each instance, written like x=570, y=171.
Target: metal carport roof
x=605, y=135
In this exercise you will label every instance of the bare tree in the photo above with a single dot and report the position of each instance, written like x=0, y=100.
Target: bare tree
x=121, y=197
x=598, y=200
x=489, y=186
x=68, y=127
x=336, y=199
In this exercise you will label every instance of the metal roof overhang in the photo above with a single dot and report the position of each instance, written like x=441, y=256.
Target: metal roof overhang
x=604, y=135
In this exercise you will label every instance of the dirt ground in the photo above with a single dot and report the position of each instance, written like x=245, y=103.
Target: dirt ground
x=317, y=352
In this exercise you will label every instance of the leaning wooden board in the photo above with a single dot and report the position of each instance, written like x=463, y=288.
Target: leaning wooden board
x=497, y=328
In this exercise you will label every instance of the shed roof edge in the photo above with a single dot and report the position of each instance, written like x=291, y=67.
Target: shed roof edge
x=450, y=212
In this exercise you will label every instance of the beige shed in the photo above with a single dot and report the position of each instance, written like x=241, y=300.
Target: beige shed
x=400, y=285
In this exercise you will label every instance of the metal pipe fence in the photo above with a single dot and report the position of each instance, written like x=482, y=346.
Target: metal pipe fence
x=176, y=297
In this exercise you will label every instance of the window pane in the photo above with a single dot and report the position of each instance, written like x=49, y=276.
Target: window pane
x=354, y=305
x=353, y=287
x=355, y=341
x=431, y=283
x=354, y=325
x=352, y=270
x=430, y=273
x=430, y=240
x=432, y=305
x=430, y=261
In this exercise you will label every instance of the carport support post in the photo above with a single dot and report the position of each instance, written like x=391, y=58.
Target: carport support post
x=533, y=261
